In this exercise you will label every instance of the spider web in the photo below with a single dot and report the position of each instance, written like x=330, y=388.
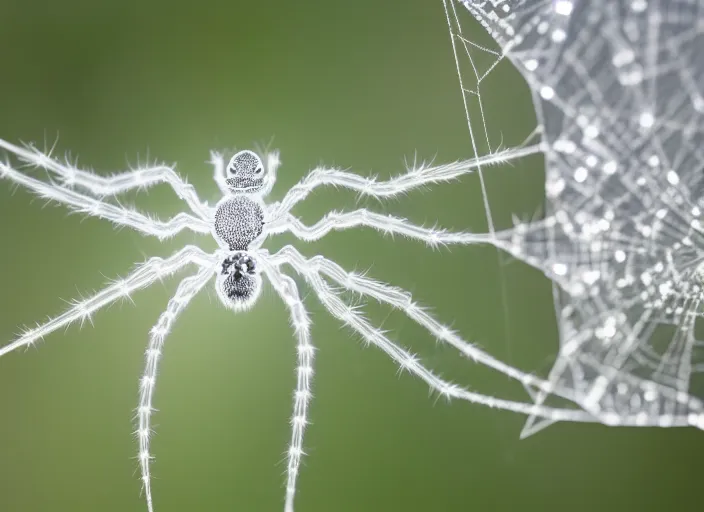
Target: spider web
x=617, y=90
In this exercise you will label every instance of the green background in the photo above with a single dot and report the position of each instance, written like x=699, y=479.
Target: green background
x=360, y=84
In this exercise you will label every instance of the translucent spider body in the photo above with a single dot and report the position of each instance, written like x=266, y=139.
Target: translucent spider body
x=240, y=222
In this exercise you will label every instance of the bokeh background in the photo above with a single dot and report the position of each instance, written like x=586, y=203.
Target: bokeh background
x=364, y=85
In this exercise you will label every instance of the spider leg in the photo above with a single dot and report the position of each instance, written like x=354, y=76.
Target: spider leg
x=387, y=224
x=417, y=177
x=143, y=276
x=402, y=300
x=409, y=362
x=104, y=186
x=217, y=160
x=120, y=216
x=287, y=290
x=187, y=289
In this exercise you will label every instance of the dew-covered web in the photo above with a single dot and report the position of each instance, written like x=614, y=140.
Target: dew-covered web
x=618, y=90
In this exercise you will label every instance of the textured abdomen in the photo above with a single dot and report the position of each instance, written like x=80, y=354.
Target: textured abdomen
x=239, y=220
x=238, y=282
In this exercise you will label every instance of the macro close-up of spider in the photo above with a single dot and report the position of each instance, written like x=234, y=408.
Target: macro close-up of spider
x=240, y=222
x=477, y=220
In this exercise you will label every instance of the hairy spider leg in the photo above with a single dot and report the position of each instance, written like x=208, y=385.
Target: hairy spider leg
x=120, y=216
x=402, y=300
x=187, y=289
x=301, y=323
x=349, y=316
x=106, y=186
x=387, y=224
x=416, y=177
x=144, y=275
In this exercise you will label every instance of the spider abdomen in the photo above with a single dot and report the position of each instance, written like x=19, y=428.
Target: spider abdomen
x=239, y=220
x=238, y=282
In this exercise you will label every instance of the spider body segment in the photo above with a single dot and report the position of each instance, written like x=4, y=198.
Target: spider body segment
x=239, y=215
x=238, y=281
x=240, y=222
x=245, y=173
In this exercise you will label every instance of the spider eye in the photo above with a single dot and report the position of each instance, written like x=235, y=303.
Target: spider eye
x=259, y=170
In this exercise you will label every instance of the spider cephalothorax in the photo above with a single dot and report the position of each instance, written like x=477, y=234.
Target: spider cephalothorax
x=245, y=173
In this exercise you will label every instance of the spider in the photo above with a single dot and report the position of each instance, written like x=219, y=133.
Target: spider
x=240, y=222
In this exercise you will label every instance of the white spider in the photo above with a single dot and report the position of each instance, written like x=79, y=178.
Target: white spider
x=240, y=222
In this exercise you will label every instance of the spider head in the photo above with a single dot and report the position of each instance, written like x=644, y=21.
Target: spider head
x=238, y=281
x=246, y=174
